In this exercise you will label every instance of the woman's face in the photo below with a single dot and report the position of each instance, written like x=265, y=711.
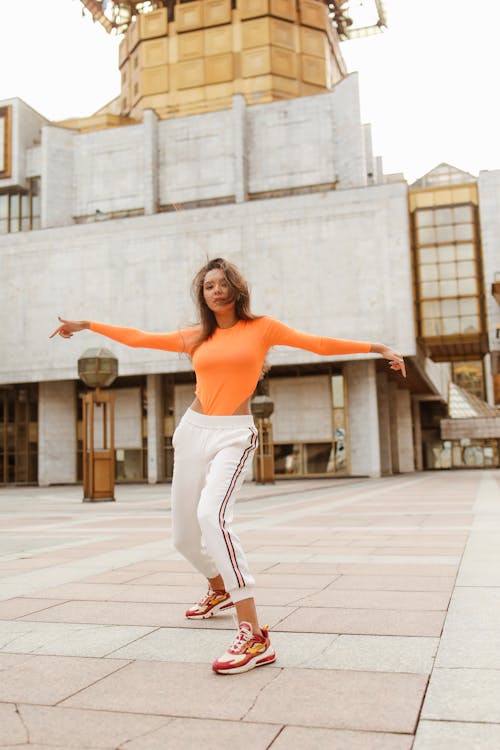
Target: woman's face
x=217, y=291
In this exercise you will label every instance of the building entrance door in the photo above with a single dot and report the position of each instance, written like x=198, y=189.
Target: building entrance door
x=19, y=434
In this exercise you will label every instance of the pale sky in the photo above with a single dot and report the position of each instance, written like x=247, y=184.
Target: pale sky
x=428, y=84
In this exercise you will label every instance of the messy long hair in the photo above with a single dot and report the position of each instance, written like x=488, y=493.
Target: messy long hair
x=239, y=293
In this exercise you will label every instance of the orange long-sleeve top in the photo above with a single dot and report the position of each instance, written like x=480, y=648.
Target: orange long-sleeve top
x=228, y=364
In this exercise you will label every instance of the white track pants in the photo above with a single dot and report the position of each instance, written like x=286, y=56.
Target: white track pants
x=212, y=456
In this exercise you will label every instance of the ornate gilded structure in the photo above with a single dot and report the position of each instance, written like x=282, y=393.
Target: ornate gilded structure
x=182, y=58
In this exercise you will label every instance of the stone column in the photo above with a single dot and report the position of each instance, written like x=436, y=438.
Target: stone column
x=57, y=433
x=393, y=421
x=155, y=428
x=364, y=440
x=150, y=127
x=417, y=435
x=240, y=156
x=56, y=177
x=384, y=424
x=405, y=432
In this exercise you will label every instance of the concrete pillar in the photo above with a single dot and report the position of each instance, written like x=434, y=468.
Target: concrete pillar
x=364, y=440
x=417, y=435
x=393, y=421
x=57, y=433
x=150, y=126
x=384, y=424
x=406, y=455
x=56, y=177
x=155, y=428
x=240, y=155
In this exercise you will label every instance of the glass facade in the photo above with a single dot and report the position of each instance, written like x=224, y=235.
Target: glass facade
x=447, y=271
x=20, y=209
x=318, y=457
x=19, y=434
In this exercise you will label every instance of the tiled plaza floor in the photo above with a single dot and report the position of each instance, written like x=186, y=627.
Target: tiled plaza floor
x=383, y=598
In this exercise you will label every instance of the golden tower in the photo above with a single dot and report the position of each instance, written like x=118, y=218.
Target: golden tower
x=183, y=57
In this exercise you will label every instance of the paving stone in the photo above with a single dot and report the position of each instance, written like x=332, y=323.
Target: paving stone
x=21, y=606
x=463, y=695
x=456, y=735
x=377, y=654
x=171, y=689
x=146, y=614
x=401, y=600
x=49, y=679
x=362, y=621
x=393, y=583
x=12, y=729
x=301, y=738
x=186, y=734
x=64, y=639
x=77, y=728
x=470, y=648
x=359, y=700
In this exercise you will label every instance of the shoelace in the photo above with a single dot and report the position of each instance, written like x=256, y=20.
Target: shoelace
x=243, y=637
x=206, y=598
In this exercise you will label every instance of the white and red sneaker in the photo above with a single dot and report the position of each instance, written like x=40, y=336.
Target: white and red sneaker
x=246, y=652
x=209, y=605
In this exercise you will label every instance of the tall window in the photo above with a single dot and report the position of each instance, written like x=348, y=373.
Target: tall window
x=447, y=270
x=20, y=209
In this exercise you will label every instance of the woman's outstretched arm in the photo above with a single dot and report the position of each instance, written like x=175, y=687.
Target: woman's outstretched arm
x=178, y=341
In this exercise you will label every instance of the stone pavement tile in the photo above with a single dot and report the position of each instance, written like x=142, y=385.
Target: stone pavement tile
x=304, y=580
x=388, y=559
x=12, y=608
x=113, y=576
x=362, y=622
x=472, y=648
x=307, y=568
x=456, y=735
x=424, y=551
x=12, y=729
x=209, y=734
x=394, y=583
x=153, y=566
x=374, y=653
x=401, y=600
x=136, y=613
x=63, y=639
x=463, y=695
x=475, y=608
x=302, y=738
x=49, y=679
x=167, y=578
x=369, y=701
x=399, y=568
x=77, y=728
x=171, y=689
x=203, y=646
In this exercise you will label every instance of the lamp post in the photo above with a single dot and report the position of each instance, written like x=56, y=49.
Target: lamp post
x=262, y=407
x=98, y=368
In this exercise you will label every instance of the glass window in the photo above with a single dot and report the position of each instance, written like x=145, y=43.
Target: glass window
x=425, y=218
x=318, y=458
x=466, y=268
x=338, y=390
x=448, y=288
x=430, y=309
x=287, y=459
x=468, y=306
x=431, y=327
x=464, y=232
x=449, y=307
x=4, y=206
x=446, y=253
x=429, y=289
x=426, y=236
x=462, y=214
x=450, y=326
x=443, y=216
x=447, y=271
x=469, y=324
x=465, y=252
x=428, y=254
x=445, y=234
x=467, y=286
x=428, y=272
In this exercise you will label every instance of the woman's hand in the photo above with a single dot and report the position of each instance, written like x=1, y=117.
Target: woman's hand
x=69, y=327
x=396, y=360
